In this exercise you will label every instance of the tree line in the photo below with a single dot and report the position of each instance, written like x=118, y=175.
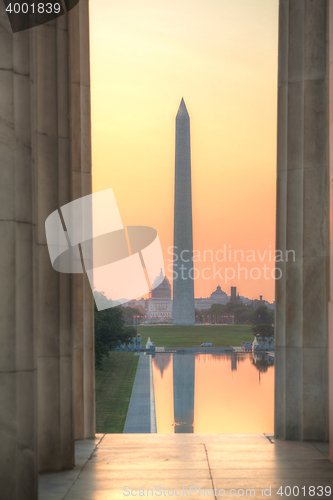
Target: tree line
x=261, y=318
x=243, y=314
x=113, y=326
x=116, y=325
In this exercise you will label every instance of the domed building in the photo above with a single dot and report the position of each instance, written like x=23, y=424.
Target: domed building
x=162, y=291
x=216, y=297
x=219, y=296
x=160, y=303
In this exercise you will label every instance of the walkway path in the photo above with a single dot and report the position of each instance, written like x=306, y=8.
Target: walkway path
x=228, y=462
x=141, y=411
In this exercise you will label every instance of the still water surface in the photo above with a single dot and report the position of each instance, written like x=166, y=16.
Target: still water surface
x=221, y=393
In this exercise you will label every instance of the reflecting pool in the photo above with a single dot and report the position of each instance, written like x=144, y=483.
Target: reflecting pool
x=207, y=393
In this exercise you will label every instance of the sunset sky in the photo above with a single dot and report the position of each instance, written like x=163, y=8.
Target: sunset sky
x=221, y=56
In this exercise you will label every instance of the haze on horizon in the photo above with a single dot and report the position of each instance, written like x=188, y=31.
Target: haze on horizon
x=221, y=56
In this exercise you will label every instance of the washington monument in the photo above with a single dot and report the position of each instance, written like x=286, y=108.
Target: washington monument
x=183, y=311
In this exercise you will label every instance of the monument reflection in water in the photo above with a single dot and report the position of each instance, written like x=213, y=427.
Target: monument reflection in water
x=206, y=393
x=183, y=392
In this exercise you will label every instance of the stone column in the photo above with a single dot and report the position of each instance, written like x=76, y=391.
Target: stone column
x=63, y=158
x=45, y=163
x=83, y=305
x=330, y=58
x=18, y=380
x=302, y=222
x=53, y=179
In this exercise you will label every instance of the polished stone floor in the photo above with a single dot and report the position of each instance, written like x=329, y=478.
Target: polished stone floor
x=230, y=463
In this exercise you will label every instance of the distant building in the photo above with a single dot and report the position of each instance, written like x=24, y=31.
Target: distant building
x=143, y=303
x=162, y=291
x=140, y=304
x=159, y=306
x=217, y=297
x=233, y=296
x=142, y=310
x=203, y=303
x=159, y=309
x=130, y=303
x=258, y=303
x=245, y=300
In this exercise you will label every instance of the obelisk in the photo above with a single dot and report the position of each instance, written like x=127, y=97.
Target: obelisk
x=183, y=310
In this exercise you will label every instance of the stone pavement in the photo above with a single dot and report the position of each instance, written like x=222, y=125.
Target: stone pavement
x=232, y=463
x=141, y=411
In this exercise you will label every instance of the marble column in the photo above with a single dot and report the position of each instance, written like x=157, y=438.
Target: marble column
x=63, y=160
x=46, y=317
x=18, y=321
x=330, y=127
x=302, y=293
x=53, y=189
x=83, y=304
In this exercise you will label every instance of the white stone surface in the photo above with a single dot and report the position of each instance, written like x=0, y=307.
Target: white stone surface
x=301, y=403
x=42, y=310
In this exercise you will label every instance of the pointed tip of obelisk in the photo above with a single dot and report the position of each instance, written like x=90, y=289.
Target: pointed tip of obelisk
x=182, y=111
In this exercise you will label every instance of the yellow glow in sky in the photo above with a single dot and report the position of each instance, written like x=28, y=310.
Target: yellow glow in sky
x=221, y=56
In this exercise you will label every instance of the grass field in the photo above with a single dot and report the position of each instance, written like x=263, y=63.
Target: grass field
x=189, y=336
x=113, y=390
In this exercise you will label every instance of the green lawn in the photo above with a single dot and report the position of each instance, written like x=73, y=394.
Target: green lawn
x=189, y=336
x=113, y=390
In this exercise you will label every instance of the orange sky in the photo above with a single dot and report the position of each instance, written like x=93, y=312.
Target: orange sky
x=221, y=56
